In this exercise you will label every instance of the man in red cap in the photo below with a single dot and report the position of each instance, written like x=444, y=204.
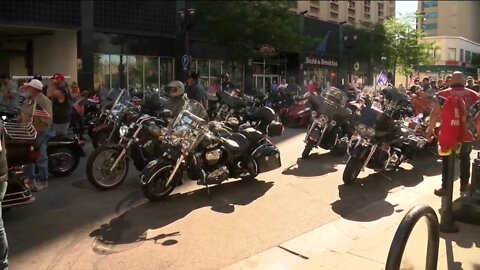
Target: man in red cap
x=61, y=104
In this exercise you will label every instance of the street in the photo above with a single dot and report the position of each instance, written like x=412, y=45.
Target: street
x=71, y=225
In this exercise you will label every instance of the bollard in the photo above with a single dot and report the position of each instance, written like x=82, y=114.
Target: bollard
x=447, y=223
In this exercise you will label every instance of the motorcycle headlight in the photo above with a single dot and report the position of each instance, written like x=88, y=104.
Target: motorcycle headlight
x=370, y=132
x=361, y=128
x=322, y=118
x=185, y=144
x=123, y=130
x=314, y=114
x=333, y=123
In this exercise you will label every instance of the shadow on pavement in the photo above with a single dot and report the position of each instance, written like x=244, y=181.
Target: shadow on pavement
x=375, y=188
x=130, y=229
x=316, y=165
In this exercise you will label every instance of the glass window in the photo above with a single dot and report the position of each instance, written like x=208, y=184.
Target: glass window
x=461, y=55
x=468, y=57
x=151, y=73
x=367, y=3
x=135, y=73
x=117, y=71
x=215, y=68
x=437, y=53
x=101, y=71
x=452, y=54
x=166, y=71
x=429, y=26
x=203, y=71
x=429, y=4
x=431, y=15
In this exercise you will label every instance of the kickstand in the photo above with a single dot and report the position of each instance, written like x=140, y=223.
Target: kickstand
x=208, y=191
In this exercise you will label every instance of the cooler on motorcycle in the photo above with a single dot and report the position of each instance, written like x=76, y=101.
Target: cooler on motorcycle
x=20, y=141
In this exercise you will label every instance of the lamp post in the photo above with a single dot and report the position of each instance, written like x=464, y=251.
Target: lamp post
x=340, y=54
x=186, y=19
x=349, y=43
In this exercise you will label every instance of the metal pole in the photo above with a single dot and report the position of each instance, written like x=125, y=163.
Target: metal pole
x=187, y=45
x=447, y=223
x=340, y=55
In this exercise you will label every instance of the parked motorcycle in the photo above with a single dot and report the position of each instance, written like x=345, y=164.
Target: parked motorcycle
x=108, y=165
x=329, y=127
x=380, y=143
x=194, y=146
x=298, y=114
x=64, y=153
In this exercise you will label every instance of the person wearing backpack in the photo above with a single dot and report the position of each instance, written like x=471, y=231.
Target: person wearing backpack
x=450, y=110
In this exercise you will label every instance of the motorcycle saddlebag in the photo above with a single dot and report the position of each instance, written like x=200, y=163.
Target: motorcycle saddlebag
x=275, y=128
x=267, y=157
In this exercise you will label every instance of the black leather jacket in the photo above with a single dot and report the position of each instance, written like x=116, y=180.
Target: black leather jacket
x=3, y=155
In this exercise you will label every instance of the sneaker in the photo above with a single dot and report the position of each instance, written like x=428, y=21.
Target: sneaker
x=440, y=192
x=464, y=187
x=31, y=185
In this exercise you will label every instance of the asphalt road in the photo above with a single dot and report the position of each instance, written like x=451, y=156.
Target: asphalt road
x=74, y=226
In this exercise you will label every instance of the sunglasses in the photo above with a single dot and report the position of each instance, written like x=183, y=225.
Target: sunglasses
x=171, y=89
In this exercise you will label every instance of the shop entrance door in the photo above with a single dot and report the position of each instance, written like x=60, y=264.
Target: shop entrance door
x=262, y=83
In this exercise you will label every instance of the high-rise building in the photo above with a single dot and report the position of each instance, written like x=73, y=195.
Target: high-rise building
x=352, y=12
x=449, y=18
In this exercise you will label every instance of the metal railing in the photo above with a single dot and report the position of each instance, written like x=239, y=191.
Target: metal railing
x=402, y=235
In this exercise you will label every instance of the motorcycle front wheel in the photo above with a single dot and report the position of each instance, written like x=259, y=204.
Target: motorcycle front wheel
x=308, y=148
x=352, y=170
x=62, y=161
x=154, y=186
x=99, y=164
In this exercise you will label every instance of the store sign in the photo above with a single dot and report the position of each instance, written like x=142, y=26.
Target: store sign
x=320, y=62
x=452, y=63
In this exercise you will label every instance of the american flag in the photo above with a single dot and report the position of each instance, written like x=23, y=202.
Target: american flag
x=40, y=112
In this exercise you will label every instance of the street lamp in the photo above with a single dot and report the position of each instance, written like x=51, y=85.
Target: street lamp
x=341, y=78
x=186, y=20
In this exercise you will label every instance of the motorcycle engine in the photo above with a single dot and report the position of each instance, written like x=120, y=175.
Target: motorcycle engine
x=213, y=156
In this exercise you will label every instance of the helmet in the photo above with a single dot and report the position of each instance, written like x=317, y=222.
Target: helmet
x=175, y=89
x=225, y=76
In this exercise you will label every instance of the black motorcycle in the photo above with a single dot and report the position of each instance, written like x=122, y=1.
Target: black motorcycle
x=209, y=153
x=380, y=143
x=330, y=122
x=64, y=153
x=108, y=165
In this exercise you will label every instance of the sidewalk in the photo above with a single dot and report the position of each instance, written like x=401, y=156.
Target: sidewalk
x=347, y=243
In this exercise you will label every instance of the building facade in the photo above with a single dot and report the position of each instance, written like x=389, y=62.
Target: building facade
x=354, y=13
x=449, y=18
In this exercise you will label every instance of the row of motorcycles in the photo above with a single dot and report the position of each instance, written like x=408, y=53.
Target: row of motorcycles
x=210, y=147
x=379, y=131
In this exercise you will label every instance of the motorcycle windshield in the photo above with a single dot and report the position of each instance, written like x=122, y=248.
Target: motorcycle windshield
x=116, y=96
x=333, y=105
x=193, y=115
x=335, y=97
x=231, y=101
x=381, y=122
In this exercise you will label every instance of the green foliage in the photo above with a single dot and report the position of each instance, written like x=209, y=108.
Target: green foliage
x=476, y=60
x=404, y=48
x=242, y=27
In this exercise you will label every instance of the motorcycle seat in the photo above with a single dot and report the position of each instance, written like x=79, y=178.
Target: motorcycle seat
x=237, y=144
x=253, y=135
x=217, y=129
x=59, y=138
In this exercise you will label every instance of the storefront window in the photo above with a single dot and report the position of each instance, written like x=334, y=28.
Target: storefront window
x=166, y=71
x=135, y=74
x=101, y=71
x=151, y=73
x=215, y=68
x=117, y=71
x=203, y=71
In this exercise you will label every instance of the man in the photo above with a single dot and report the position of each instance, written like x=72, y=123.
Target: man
x=196, y=91
x=3, y=189
x=8, y=94
x=227, y=85
x=283, y=84
x=440, y=84
x=470, y=84
x=37, y=109
x=476, y=88
x=470, y=98
x=273, y=86
x=292, y=90
x=61, y=104
x=433, y=85
x=448, y=81
x=175, y=91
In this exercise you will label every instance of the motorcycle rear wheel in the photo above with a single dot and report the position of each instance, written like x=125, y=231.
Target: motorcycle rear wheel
x=352, y=170
x=155, y=189
x=98, y=166
x=65, y=163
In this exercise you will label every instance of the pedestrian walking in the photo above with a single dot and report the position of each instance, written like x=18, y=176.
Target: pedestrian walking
x=470, y=98
x=61, y=104
x=8, y=94
x=37, y=109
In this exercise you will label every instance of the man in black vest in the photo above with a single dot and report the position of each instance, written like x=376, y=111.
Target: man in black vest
x=61, y=104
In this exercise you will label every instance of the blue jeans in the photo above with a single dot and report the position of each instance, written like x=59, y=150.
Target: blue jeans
x=3, y=235
x=42, y=161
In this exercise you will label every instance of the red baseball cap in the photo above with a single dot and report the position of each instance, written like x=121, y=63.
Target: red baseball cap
x=58, y=77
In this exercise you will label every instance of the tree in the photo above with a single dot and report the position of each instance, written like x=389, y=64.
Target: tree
x=404, y=50
x=243, y=27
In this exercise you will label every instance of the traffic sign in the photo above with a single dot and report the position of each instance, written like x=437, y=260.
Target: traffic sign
x=185, y=61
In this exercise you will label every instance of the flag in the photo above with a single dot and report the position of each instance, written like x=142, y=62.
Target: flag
x=40, y=112
x=382, y=79
x=321, y=47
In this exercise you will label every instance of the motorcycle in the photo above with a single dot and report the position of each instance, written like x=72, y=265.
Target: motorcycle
x=298, y=114
x=108, y=165
x=234, y=105
x=64, y=153
x=380, y=143
x=329, y=127
x=200, y=149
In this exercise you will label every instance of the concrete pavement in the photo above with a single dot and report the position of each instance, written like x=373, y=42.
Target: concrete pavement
x=73, y=226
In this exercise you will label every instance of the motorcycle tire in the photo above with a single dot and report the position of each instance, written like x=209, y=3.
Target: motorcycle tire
x=98, y=183
x=352, y=170
x=308, y=148
x=56, y=169
x=156, y=176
